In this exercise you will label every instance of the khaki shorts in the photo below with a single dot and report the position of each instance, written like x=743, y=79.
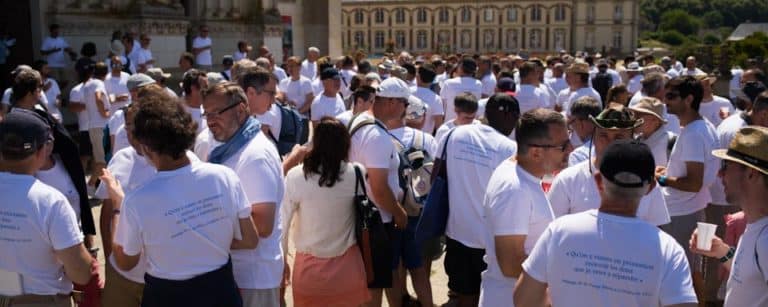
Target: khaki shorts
x=97, y=143
x=120, y=291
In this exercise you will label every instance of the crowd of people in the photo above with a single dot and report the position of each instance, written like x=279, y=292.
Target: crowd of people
x=572, y=180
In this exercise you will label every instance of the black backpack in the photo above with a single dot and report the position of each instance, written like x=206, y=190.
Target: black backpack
x=291, y=129
x=602, y=82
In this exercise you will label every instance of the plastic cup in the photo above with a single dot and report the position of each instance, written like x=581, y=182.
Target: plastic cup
x=706, y=232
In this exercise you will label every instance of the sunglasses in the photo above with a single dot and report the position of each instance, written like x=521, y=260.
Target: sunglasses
x=219, y=112
x=671, y=95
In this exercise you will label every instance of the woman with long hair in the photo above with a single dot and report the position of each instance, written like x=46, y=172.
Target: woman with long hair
x=319, y=199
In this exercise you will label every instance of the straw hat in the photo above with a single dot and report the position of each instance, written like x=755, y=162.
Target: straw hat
x=749, y=147
x=650, y=106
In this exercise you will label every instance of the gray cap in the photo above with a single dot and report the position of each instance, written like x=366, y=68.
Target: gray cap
x=214, y=78
x=139, y=80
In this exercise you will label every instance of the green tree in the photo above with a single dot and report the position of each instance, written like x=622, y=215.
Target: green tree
x=672, y=37
x=712, y=19
x=680, y=21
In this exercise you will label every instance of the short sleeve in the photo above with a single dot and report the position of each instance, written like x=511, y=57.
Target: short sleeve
x=75, y=95
x=316, y=110
x=128, y=233
x=510, y=212
x=263, y=184
x=242, y=209
x=437, y=108
x=306, y=87
x=282, y=86
x=536, y=264
x=378, y=151
x=676, y=285
x=655, y=211
x=559, y=197
x=63, y=231
x=693, y=147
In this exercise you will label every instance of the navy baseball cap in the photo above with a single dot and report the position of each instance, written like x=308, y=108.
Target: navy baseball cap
x=23, y=132
x=628, y=163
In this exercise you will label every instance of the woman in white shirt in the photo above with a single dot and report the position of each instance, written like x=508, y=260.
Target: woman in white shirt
x=328, y=268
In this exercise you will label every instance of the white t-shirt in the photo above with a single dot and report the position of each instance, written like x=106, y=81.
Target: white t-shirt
x=296, y=91
x=143, y=57
x=345, y=117
x=327, y=106
x=695, y=144
x=747, y=285
x=434, y=107
x=193, y=211
x=58, y=178
x=725, y=134
x=372, y=147
x=76, y=95
x=308, y=69
x=407, y=137
x=204, y=144
x=557, y=84
x=658, y=142
x=279, y=73
x=36, y=221
x=575, y=95
x=581, y=153
x=530, y=97
x=131, y=170
x=237, y=55
x=634, y=85
x=673, y=123
x=691, y=72
x=204, y=57
x=514, y=204
x=453, y=87
x=574, y=190
x=260, y=171
x=489, y=84
x=197, y=116
x=116, y=126
x=56, y=59
x=52, y=94
x=598, y=259
x=118, y=86
x=272, y=118
x=447, y=126
x=95, y=119
x=550, y=96
x=711, y=109
x=474, y=152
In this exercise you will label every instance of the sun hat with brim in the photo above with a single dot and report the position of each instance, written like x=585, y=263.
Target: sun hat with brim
x=616, y=117
x=139, y=80
x=634, y=66
x=749, y=147
x=386, y=65
x=157, y=74
x=711, y=78
x=650, y=106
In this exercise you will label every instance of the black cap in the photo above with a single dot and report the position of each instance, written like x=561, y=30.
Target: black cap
x=330, y=73
x=506, y=84
x=23, y=132
x=628, y=163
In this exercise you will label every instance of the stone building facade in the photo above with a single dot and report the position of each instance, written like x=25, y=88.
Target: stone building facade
x=489, y=26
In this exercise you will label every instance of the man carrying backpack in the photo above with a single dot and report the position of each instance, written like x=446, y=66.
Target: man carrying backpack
x=416, y=150
x=603, y=80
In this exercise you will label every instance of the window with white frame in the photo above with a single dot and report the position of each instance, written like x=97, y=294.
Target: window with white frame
x=466, y=14
x=488, y=39
x=443, y=15
x=618, y=13
x=399, y=15
x=536, y=13
x=421, y=15
x=466, y=39
x=559, y=39
x=359, y=17
x=488, y=14
x=511, y=14
x=512, y=40
x=378, y=15
x=617, y=39
x=560, y=12
x=400, y=39
x=360, y=38
x=378, y=39
x=421, y=39
x=535, y=39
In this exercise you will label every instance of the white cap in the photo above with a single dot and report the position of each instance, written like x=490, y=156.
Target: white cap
x=416, y=108
x=394, y=88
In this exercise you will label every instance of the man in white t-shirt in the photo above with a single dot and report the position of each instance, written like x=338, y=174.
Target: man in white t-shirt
x=744, y=173
x=371, y=146
x=653, y=86
x=529, y=94
x=425, y=76
x=41, y=245
x=714, y=108
x=309, y=65
x=691, y=169
x=50, y=89
x=362, y=100
x=557, y=82
x=145, y=60
x=206, y=221
x=690, y=68
x=515, y=209
x=116, y=84
x=192, y=84
x=582, y=129
x=97, y=105
x=251, y=154
x=486, y=76
x=201, y=48
x=635, y=75
x=473, y=153
x=577, y=77
x=609, y=257
x=329, y=102
x=465, y=105
x=55, y=50
x=574, y=190
x=465, y=82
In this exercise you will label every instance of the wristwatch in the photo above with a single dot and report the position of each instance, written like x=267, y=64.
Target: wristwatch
x=729, y=255
x=662, y=180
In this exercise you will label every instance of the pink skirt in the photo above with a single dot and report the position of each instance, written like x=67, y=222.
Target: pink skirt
x=338, y=281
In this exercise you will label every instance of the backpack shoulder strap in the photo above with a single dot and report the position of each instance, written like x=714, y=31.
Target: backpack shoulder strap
x=418, y=140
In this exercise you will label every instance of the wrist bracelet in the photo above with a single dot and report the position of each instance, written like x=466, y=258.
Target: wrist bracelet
x=662, y=181
x=729, y=255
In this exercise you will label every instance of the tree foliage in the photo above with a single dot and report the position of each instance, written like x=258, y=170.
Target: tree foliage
x=732, y=12
x=680, y=21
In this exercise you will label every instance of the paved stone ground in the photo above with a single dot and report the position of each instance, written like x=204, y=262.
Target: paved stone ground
x=438, y=277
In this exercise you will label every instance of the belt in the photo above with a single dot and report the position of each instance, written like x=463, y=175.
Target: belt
x=35, y=299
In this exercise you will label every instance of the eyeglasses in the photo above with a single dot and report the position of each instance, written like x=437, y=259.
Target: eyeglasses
x=271, y=93
x=218, y=113
x=562, y=147
x=671, y=95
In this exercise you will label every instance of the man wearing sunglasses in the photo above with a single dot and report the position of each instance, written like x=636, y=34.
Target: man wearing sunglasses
x=574, y=189
x=691, y=169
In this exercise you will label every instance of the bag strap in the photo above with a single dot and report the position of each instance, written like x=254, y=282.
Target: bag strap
x=418, y=140
x=360, y=183
x=757, y=259
x=444, y=154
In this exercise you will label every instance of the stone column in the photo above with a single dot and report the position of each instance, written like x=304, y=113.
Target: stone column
x=234, y=10
x=325, y=29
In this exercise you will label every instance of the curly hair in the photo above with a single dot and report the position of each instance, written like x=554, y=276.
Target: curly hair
x=330, y=147
x=164, y=126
